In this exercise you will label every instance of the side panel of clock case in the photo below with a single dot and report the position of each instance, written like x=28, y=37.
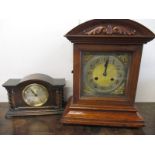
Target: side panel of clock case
x=131, y=82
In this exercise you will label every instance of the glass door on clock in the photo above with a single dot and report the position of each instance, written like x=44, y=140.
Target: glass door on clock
x=104, y=73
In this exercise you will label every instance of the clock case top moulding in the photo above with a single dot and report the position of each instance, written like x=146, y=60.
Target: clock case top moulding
x=111, y=35
x=110, y=31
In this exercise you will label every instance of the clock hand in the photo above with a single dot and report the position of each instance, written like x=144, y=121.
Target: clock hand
x=33, y=92
x=105, y=67
x=40, y=100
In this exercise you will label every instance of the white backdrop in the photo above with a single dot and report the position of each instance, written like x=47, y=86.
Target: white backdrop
x=36, y=45
x=31, y=40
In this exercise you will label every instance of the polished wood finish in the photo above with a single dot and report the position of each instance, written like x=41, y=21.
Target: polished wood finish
x=106, y=36
x=18, y=107
x=110, y=35
x=50, y=124
x=102, y=115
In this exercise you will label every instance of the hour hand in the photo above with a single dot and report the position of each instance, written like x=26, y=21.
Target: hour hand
x=33, y=92
x=105, y=67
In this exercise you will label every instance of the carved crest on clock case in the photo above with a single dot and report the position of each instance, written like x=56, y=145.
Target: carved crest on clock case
x=110, y=30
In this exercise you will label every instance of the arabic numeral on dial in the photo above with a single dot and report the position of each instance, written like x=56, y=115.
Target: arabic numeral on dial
x=113, y=61
x=92, y=66
x=119, y=74
x=124, y=58
x=116, y=82
x=89, y=72
x=118, y=68
x=90, y=80
x=97, y=61
x=103, y=59
x=94, y=85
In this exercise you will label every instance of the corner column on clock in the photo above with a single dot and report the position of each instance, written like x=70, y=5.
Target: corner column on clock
x=107, y=56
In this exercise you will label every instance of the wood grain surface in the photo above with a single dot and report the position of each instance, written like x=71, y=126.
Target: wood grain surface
x=50, y=125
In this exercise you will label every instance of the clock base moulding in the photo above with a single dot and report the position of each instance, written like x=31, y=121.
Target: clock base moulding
x=36, y=112
x=105, y=116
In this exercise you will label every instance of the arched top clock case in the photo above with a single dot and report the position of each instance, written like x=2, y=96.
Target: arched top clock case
x=106, y=62
x=44, y=78
x=35, y=94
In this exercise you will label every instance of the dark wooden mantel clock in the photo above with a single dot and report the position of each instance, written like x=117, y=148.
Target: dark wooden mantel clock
x=35, y=94
x=107, y=55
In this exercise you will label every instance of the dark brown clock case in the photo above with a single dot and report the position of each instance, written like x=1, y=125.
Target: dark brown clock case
x=18, y=107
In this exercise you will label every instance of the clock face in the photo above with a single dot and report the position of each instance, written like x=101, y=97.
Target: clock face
x=35, y=95
x=104, y=73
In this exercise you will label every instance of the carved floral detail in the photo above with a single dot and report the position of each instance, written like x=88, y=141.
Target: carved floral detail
x=111, y=30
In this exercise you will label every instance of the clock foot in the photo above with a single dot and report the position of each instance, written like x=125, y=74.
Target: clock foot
x=87, y=116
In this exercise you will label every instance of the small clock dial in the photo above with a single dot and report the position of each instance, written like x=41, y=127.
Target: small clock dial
x=104, y=73
x=35, y=95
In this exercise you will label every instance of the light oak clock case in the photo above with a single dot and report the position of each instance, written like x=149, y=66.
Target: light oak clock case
x=100, y=35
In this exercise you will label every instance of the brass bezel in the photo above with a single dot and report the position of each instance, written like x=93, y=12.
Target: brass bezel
x=39, y=85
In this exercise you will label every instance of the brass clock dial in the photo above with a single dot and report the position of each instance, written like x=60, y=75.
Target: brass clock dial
x=104, y=73
x=35, y=95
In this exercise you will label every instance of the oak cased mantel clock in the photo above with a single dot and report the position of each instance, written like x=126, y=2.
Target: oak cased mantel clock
x=107, y=55
x=35, y=94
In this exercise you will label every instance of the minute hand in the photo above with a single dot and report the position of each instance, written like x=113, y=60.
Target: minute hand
x=105, y=67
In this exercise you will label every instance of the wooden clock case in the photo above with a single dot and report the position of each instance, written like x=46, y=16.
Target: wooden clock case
x=18, y=107
x=106, y=35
